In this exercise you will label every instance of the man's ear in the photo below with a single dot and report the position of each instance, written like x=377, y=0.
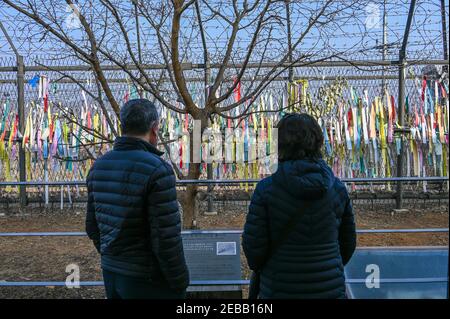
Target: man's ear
x=154, y=132
x=155, y=129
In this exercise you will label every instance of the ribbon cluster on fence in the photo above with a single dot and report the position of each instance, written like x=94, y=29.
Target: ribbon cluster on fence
x=362, y=134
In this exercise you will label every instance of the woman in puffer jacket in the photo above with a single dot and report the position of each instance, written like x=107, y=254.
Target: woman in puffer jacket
x=300, y=230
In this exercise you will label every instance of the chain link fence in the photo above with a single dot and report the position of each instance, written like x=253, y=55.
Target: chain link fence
x=372, y=79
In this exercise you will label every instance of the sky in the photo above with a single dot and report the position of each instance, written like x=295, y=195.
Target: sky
x=425, y=39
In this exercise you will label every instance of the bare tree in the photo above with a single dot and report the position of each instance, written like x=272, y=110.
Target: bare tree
x=151, y=40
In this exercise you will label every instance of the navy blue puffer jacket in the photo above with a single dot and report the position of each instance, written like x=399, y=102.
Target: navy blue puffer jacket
x=310, y=261
x=133, y=217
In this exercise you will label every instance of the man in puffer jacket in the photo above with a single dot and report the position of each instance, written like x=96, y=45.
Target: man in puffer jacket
x=132, y=215
x=309, y=261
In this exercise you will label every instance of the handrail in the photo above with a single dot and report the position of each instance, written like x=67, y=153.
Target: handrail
x=212, y=282
x=238, y=181
x=231, y=231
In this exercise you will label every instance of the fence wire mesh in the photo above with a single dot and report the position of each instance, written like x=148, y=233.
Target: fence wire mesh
x=371, y=79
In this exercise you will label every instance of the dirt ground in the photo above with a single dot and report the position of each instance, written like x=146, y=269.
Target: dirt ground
x=46, y=258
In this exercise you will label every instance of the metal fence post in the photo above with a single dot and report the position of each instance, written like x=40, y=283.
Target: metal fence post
x=209, y=166
x=289, y=40
x=21, y=114
x=444, y=35
x=401, y=118
x=401, y=101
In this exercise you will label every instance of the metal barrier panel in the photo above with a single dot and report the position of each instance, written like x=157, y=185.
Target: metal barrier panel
x=398, y=273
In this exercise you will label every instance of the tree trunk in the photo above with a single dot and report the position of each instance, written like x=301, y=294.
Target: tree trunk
x=189, y=198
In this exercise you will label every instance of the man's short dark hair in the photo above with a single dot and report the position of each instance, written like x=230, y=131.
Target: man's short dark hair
x=299, y=137
x=138, y=116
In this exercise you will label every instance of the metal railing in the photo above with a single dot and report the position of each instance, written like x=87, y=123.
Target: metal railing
x=201, y=182
x=359, y=231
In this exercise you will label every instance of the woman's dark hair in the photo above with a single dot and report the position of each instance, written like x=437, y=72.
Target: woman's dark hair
x=299, y=137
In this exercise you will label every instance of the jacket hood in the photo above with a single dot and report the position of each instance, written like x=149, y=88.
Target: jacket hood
x=304, y=179
x=128, y=143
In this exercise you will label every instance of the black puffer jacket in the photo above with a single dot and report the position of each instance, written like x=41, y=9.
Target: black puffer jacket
x=309, y=263
x=133, y=216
